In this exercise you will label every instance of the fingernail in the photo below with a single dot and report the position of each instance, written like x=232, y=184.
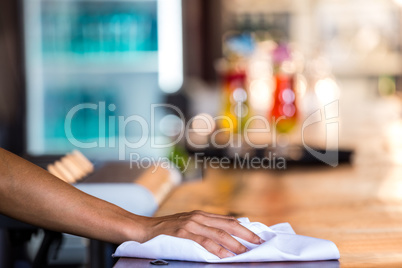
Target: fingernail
x=262, y=241
x=244, y=250
x=229, y=254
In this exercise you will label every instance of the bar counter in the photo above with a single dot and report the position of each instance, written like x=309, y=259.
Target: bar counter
x=358, y=207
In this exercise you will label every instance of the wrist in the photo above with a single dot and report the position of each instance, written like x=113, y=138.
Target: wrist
x=136, y=228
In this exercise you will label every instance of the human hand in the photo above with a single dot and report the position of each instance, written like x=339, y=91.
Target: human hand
x=211, y=231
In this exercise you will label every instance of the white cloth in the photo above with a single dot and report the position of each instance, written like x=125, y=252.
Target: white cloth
x=282, y=244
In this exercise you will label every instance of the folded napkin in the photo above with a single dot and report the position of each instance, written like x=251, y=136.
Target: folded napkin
x=282, y=244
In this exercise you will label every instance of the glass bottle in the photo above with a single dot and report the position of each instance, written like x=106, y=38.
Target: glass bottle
x=284, y=111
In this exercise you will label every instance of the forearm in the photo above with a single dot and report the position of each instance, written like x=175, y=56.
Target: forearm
x=30, y=194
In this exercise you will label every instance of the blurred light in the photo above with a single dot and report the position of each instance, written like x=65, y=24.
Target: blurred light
x=35, y=85
x=393, y=135
x=386, y=85
x=398, y=2
x=298, y=60
x=321, y=67
x=203, y=124
x=301, y=85
x=367, y=39
x=260, y=68
x=283, y=140
x=288, y=96
x=239, y=95
x=390, y=188
x=171, y=125
x=289, y=110
x=288, y=67
x=326, y=90
x=170, y=48
x=260, y=94
x=240, y=110
x=295, y=152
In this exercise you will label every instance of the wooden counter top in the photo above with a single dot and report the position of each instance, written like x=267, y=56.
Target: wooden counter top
x=358, y=208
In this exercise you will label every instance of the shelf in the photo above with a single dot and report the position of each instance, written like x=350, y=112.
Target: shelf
x=138, y=62
x=371, y=65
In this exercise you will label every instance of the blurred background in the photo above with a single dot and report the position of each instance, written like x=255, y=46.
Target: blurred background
x=124, y=56
x=209, y=58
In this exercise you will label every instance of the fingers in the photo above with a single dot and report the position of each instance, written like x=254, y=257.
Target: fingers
x=207, y=243
x=212, y=215
x=233, y=227
x=236, y=229
x=211, y=231
x=223, y=238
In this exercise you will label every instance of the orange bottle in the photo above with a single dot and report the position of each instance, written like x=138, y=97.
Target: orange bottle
x=284, y=110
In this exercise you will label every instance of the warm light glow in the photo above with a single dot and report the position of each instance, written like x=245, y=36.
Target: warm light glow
x=398, y=2
x=367, y=39
x=394, y=141
x=326, y=90
x=288, y=67
x=321, y=67
x=203, y=124
x=391, y=187
x=260, y=95
x=259, y=69
x=301, y=85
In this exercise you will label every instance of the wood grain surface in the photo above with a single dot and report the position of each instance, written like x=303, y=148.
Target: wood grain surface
x=358, y=208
